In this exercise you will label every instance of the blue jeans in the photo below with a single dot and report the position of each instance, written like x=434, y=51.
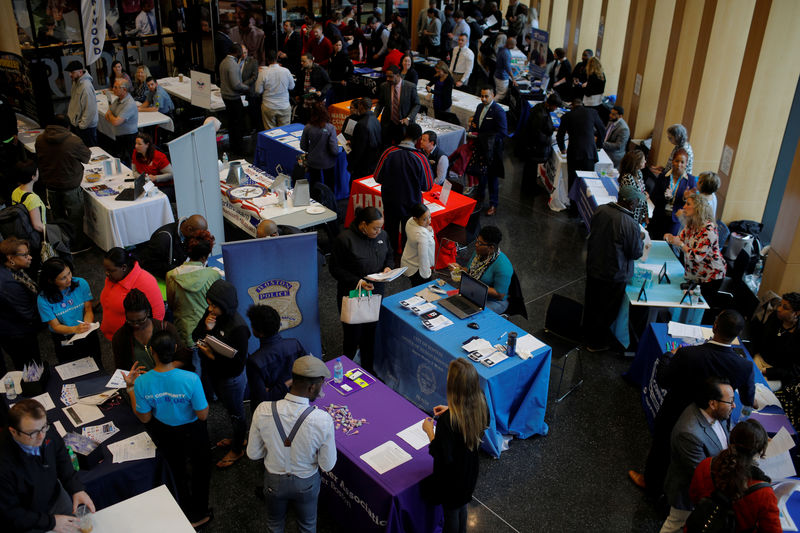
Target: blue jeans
x=279, y=490
x=230, y=392
x=498, y=306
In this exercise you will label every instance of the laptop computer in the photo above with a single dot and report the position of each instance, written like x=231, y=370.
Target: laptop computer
x=470, y=300
x=131, y=194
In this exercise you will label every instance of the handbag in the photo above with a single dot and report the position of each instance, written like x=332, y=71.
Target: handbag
x=360, y=308
x=448, y=253
x=47, y=251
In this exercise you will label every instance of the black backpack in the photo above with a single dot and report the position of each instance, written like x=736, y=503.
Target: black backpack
x=714, y=514
x=15, y=222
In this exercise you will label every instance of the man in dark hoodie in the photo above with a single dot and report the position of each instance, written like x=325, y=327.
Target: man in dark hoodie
x=222, y=324
x=61, y=155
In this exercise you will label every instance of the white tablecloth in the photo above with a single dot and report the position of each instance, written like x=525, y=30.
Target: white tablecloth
x=464, y=104
x=149, y=118
x=557, y=173
x=111, y=223
x=183, y=90
x=152, y=511
x=449, y=136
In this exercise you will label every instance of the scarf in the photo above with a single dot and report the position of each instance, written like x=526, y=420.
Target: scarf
x=477, y=267
x=21, y=277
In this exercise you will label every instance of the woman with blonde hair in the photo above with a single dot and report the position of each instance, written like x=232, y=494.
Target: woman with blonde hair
x=594, y=86
x=454, y=445
x=700, y=244
x=442, y=89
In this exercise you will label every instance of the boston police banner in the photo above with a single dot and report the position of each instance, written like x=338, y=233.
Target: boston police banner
x=93, y=13
x=280, y=272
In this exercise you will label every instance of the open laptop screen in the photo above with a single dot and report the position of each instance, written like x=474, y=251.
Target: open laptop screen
x=473, y=290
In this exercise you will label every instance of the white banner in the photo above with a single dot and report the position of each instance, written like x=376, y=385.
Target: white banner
x=94, y=28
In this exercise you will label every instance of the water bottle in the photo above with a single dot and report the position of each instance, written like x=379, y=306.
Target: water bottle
x=224, y=158
x=511, y=344
x=338, y=371
x=73, y=458
x=11, y=390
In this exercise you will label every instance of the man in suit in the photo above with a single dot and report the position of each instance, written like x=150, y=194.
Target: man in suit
x=585, y=130
x=680, y=375
x=489, y=127
x=618, y=134
x=701, y=431
x=398, y=103
x=291, y=48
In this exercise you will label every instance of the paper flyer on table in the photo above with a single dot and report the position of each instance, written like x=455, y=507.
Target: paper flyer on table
x=275, y=133
x=134, y=448
x=101, y=432
x=60, y=428
x=370, y=182
x=80, y=414
x=527, y=344
x=676, y=329
x=386, y=457
x=45, y=400
x=77, y=368
x=415, y=436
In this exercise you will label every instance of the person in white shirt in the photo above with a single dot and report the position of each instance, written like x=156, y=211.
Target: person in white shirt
x=419, y=253
x=274, y=83
x=146, y=19
x=462, y=61
x=295, y=440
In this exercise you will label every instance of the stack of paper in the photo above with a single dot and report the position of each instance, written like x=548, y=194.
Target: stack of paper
x=478, y=345
x=437, y=323
x=596, y=188
x=777, y=463
x=676, y=329
x=370, y=182
x=527, y=345
x=385, y=457
x=137, y=447
x=101, y=432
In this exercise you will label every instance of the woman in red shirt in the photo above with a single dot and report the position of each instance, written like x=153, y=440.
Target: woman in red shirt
x=732, y=472
x=147, y=160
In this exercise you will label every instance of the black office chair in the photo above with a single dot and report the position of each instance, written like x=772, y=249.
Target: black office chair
x=563, y=320
x=516, y=301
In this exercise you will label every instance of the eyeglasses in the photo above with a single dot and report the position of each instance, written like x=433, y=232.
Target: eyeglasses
x=35, y=433
x=137, y=322
x=24, y=254
x=729, y=403
x=481, y=243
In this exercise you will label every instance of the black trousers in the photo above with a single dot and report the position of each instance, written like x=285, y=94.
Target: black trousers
x=124, y=147
x=324, y=175
x=187, y=451
x=358, y=337
x=395, y=226
x=235, y=111
x=22, y=349
x=455, y=519
x=601, y=305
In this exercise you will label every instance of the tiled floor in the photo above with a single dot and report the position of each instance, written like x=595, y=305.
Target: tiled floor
x=574, y=478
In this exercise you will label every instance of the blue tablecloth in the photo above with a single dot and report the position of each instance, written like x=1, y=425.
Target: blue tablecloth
x=270, y=153
x=586, y=202
x=107, y=482
x=414, y=362
x=663, y=296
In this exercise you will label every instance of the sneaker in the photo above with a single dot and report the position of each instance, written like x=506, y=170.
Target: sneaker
x=492, y=211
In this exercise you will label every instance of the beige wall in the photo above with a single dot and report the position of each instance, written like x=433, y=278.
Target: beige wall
x=590, y=22
x=8, y=36
x=558, y=24
x=613, y=42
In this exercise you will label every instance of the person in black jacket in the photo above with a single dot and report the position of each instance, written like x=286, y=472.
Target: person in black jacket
x=561, y=75
x=340, y=68
x=19, y=315
x=538, y=135
x=362, y=249
x=365, y=143
x=455, y=443
x=39, y=487
x=776, y=342
x=313, y=84
x=269, y=369
x=291, y=48
x=681, y=375
x=489, y=126
x=165, y=249
x=586, y=133
x=226, y=374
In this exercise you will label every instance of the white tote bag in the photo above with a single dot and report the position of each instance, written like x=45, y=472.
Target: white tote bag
x=361, y=309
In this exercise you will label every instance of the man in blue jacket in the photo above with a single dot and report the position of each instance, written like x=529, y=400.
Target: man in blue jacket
x=489, y=127
x=404, y=173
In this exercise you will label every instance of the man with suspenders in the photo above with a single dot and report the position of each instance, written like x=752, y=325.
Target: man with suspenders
x=295, y=440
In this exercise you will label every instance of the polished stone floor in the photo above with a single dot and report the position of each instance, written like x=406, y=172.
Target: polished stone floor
x=574, y=478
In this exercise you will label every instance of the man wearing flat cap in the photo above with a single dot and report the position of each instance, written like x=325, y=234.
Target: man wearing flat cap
x=295, y=440
x=615, y=242
x=82, y=110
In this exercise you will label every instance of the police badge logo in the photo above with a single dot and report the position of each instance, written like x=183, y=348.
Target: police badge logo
x=281, y=295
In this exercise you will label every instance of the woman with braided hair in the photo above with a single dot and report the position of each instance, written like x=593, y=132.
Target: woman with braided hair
x=735, y=474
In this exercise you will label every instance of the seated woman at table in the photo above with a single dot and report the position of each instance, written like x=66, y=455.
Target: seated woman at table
x=699, y=242
x=123, y=274
x=130, y=343
x=679, y=137
x=226, y=375
x=733, y=472
x=153, y=163
x=340, y=69
x=776, y=342
x=442, y=88
x=419, y=253
x=407, y=70
x=139, y=91
x=668, y=197
x=455, y=444
x=19, y=318
x=491, y=266
x=171, y=401
x=117, y=72
x=321, y=146
x=362, y=249
x=630, y=169
x=65, y=305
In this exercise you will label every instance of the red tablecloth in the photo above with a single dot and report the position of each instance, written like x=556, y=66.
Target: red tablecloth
x=457, y=210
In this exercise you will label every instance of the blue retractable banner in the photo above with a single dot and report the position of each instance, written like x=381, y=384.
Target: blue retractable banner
x=280, y=272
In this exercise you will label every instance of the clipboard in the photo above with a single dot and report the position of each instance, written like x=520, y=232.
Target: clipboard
x=219, y=347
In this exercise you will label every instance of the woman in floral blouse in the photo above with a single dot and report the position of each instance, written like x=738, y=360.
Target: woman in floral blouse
x=700, y=244
x=631, y=174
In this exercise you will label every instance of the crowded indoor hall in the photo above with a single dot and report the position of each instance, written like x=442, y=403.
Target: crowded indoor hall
x=549, y=243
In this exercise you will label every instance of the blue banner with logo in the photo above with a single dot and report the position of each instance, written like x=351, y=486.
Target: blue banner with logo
x=280, y=272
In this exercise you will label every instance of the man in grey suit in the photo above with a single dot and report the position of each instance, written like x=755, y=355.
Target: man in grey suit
x=701, y=431
x=618, y=134
x=398, y=102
